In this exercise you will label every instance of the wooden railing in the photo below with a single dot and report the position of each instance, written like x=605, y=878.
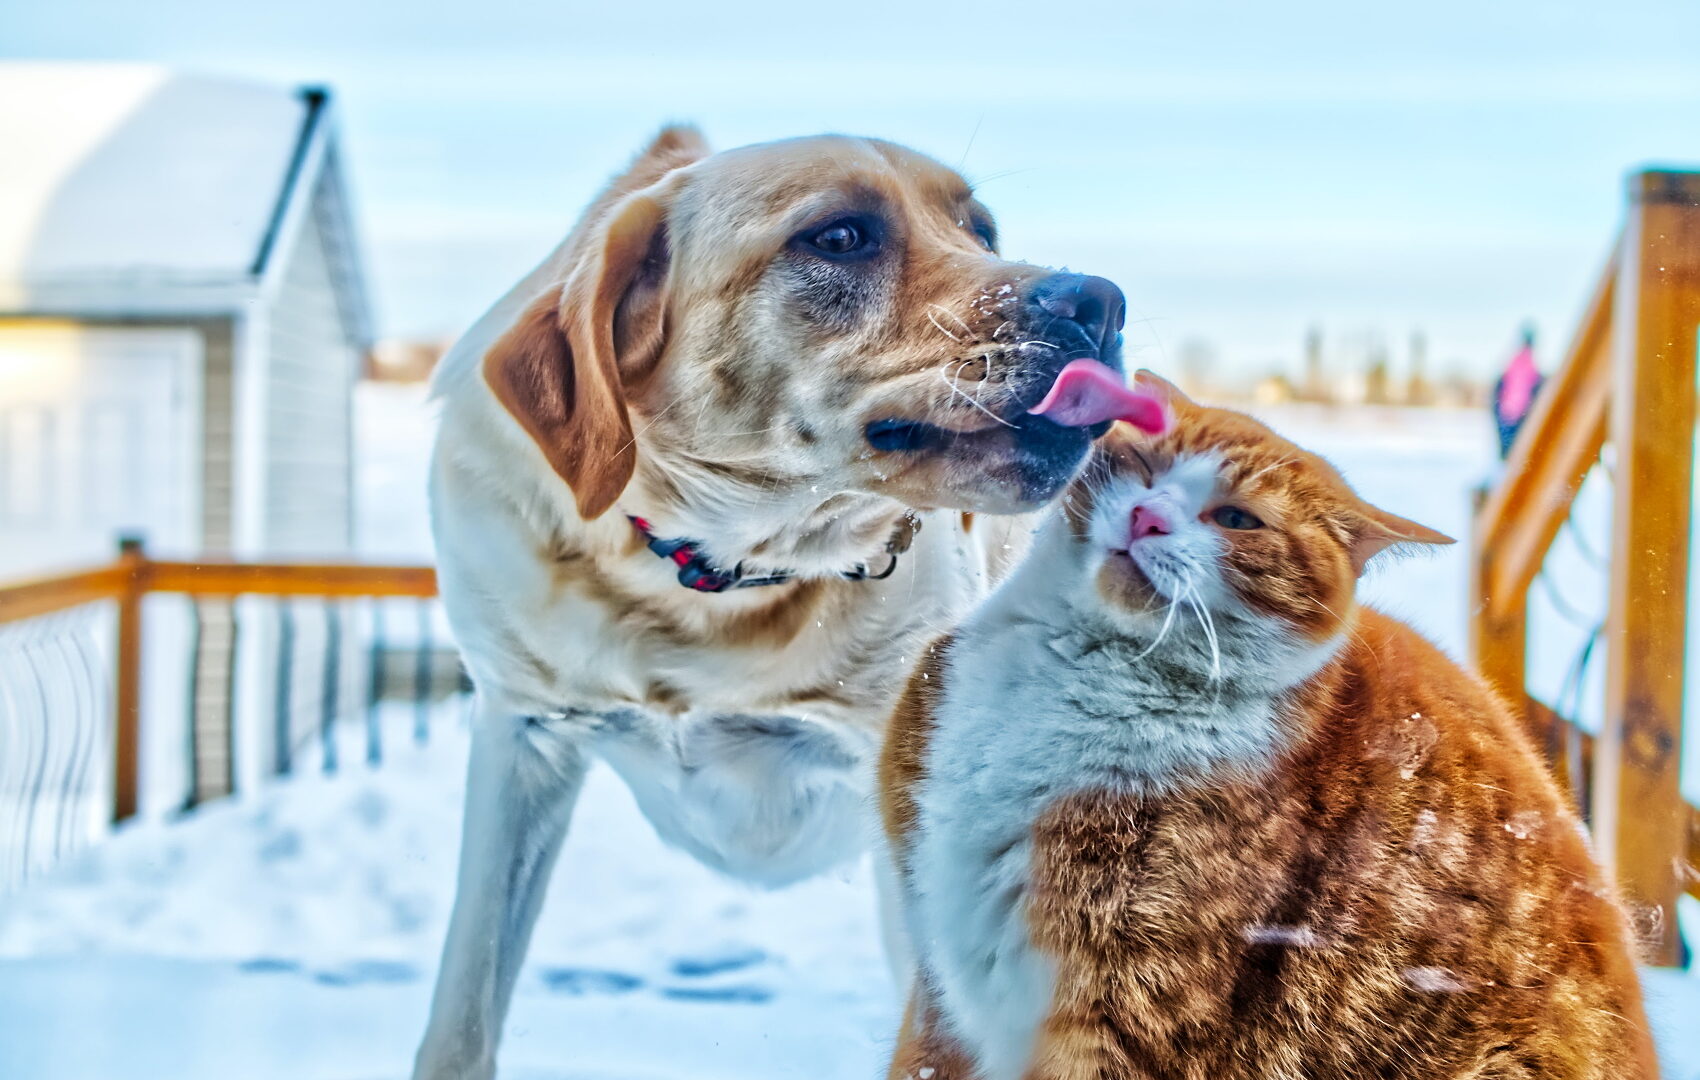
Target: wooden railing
x=1628, y=380
x=134, y=576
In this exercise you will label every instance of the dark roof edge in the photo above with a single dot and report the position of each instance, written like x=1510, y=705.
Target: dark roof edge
x=315, y=98
x=315, y=170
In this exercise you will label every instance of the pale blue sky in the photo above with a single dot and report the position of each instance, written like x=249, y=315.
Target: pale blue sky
x=1243, y=170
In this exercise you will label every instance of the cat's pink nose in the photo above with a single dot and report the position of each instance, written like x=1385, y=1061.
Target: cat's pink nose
x=1150, y=521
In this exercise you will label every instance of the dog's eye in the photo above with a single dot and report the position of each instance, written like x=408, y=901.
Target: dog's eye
x=841, y=238
x=1232, y=517
x=987, y=235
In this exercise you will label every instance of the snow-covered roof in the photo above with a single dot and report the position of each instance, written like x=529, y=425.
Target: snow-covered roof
x=135, y=188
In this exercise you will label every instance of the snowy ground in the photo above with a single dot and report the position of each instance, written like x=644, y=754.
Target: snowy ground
x=293, y=932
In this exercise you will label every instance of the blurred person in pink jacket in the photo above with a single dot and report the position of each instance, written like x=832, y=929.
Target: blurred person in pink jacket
x=1514, y=393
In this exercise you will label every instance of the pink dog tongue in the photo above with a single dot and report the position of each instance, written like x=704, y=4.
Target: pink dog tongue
x=1087, y=392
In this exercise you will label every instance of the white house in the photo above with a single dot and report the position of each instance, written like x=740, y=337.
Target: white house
x=182, y=316
x=182, y=321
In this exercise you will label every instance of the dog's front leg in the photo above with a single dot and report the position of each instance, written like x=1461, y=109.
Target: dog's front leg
x=522, y=781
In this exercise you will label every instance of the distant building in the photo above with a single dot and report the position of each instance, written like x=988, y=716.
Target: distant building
x=1378, y=379
x=404, y=360
x=1274, y=389
x=1314, y=386
x=182, y=316
x=1418, y=390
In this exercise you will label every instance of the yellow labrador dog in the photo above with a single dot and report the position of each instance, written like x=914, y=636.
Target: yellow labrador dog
x=699, y=496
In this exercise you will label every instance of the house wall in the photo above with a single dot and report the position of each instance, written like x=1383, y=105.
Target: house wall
x=307, y=434
x=218, y=410
x=101, y=432
x=213, y=622
x=310, y=371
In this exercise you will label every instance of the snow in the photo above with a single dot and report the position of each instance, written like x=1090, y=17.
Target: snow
x=134, y=173
x=293, y=931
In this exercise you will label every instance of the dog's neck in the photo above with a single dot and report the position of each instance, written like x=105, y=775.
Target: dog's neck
x=793, y=529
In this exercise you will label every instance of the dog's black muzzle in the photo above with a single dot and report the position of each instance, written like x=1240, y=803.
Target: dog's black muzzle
x=1063, y=317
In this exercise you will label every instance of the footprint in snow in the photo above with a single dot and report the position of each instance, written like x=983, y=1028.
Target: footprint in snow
x=578, y=981
x=704, y=965
x=732, y=995
x=364, y=972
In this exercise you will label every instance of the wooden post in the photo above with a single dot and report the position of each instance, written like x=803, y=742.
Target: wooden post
x=127, y=681
x=1517, y=520
x=1499, y=640
x=1640, y=821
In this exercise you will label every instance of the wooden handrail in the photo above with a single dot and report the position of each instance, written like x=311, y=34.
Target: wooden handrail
x=31, y=598
x=1555, y=448
x=1640, y=822
x=290, y=579
x=134, y=576
x=34, y=597
x=1629, y=377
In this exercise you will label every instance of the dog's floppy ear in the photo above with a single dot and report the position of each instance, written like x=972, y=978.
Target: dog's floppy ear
x=561, y=369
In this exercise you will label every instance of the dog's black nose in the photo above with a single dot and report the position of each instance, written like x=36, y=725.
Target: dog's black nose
x=1093, y=302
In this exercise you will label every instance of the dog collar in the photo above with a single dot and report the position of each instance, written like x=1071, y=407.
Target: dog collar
x=699, y=575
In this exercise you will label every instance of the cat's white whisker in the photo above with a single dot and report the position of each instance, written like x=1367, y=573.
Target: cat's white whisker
x=1208, y=625
x=1267, y=469
x=1162, y=631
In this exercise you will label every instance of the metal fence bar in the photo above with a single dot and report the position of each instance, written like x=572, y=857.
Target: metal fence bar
x=332, y=672
x=51, y=720
x=67, y=789
x=91, y=679
x=13, y=749
x=283, y=727
x=374, y=686
x=38, y=759
x=422, y=677
x=192, y=731
x=64, y=700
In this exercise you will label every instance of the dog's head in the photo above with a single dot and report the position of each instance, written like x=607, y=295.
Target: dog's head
x=818, y=316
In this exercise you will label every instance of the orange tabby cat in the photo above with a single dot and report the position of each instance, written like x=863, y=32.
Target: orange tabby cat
x=1171, y=806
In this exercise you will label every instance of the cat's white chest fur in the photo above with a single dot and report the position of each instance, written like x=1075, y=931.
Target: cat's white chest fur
x=1037, y=708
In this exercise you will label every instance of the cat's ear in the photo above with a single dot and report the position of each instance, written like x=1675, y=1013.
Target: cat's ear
x=1377, y=530
x=1160, y=388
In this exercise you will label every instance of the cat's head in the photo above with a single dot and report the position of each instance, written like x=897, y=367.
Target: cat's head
x=1218, y=519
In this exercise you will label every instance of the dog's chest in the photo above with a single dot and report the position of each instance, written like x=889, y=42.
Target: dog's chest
x=746, y=734
x=766, y=797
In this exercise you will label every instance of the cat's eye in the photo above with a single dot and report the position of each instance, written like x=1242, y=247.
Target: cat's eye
x=1232, y=517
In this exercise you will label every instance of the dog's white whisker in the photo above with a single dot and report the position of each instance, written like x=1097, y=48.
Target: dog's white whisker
x=940, y=327
x=966, y=329
x=959, y=392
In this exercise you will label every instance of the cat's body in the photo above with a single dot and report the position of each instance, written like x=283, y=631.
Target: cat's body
x=1313, y=850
